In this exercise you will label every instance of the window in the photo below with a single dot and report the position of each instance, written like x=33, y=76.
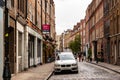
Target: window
x=83, y=40
x=119, y=48
x=111, y=27
x=19, y=44
x=12, y=3
x=51, y=2
x=30, y=11
x=83, y=32
x=21, y=5
x=31, y=46
x=119, y=23
x=43, y=4
x=18, y=4
x=48, y=10
x=38, y=48
x=112, y=3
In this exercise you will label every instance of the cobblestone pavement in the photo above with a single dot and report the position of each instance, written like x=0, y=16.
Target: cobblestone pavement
x=40, y=72
x=112, y=67
x=88, y=71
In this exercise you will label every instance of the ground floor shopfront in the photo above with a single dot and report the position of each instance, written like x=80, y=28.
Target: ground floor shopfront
x=115, y=49
x=25, y=48
x=97, y=49
x=48, y=52
x=109, y=47
x=33, y=48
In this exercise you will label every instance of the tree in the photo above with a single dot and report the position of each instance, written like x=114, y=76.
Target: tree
x=89, y=54
x=75, y=44
x=71, y=46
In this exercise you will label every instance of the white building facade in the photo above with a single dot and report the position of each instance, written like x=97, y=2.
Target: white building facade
x=29, y=48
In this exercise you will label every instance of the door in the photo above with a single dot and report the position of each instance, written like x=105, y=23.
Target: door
x=119, y=49
x=31, y=51
x=115, y=54
x=19, y=52
x=39, y=51
x=12, y=51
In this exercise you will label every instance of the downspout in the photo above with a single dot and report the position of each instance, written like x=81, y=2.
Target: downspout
x=42, y=38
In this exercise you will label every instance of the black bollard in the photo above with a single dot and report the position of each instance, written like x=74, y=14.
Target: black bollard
x=6, y=72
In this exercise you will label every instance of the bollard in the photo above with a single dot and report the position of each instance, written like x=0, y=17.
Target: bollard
x=6, y=72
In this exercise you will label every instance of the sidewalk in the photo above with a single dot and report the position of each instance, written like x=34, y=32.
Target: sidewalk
x=112, y=67
x=41, y=72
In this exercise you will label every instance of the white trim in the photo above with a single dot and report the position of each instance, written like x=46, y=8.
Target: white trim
x=20, y=28
x=35, y=51
x=26, y=49
x=36, y=36
x=34, y=33
x=17, y=52
x=41, y=52
x=31, y=61
x=38, y=60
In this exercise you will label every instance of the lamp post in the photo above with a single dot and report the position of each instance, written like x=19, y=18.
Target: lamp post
x=6, y=71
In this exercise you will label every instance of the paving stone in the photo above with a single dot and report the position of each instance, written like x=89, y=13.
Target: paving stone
x=38, y=73
x=88, y=71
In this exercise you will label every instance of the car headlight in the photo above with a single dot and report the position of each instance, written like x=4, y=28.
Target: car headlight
x=57, y=65
x=74, y=64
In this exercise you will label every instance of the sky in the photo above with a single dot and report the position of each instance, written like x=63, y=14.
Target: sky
x=68, y=13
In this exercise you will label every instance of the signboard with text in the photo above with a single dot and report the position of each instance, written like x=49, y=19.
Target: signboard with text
x=46, y=28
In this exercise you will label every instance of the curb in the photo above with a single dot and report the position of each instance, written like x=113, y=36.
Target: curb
x=106, y=67
x=47, y=78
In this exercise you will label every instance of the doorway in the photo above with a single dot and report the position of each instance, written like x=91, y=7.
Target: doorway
x=115, y=51
x=30, y=51
x=20, y=50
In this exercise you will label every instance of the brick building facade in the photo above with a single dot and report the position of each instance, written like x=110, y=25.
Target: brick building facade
x=114, y=8
x=26, y=18
x=111, y=31
x=95, y=23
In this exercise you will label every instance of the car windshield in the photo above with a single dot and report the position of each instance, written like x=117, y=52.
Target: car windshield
x=66, y=57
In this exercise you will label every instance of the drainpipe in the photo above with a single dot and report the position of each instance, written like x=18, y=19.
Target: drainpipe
x=6, y=71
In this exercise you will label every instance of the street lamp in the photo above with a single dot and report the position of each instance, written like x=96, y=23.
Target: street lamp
x=6, y=71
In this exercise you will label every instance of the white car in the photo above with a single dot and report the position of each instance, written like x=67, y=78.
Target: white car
x=65, y=61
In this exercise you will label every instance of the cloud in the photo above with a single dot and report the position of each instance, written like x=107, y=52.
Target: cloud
x=68, y=13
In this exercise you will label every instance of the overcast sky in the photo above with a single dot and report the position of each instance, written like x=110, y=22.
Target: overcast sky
x=68, y=13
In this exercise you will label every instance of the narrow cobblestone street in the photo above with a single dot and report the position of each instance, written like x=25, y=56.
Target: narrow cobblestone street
x=36, y=37
x=88, y=71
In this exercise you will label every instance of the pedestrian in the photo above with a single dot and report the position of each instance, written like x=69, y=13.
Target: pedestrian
x=96, y=60
x=90, y=59
x=79, y=57
x=98, y=57
x=84, y=54
x=82, y=57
